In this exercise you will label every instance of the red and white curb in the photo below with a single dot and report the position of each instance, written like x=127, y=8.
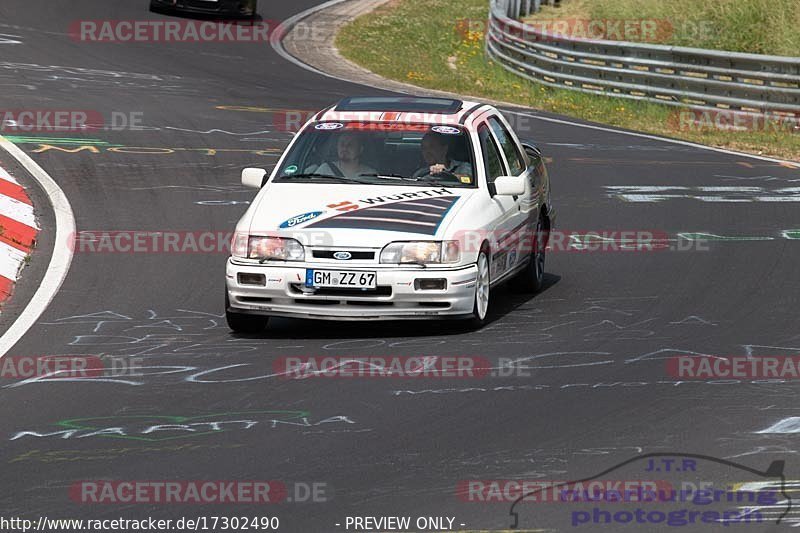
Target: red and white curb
x=18, y=231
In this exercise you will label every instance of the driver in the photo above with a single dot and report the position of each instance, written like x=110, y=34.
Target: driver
x=435, y=152
x=349, y=150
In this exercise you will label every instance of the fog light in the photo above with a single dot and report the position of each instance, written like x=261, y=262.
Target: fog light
x=252, y=279
x=422, y=284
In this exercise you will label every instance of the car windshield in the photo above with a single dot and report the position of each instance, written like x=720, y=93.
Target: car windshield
x=380, y=153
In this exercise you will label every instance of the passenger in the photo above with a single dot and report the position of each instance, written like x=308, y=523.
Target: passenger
x=349, y=149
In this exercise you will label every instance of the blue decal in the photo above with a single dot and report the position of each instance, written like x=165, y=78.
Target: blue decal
x=329, y=126
x=512, y=259
x=446, y=130
x=299, y=219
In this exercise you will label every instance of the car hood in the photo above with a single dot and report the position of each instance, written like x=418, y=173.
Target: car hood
x=357, y=215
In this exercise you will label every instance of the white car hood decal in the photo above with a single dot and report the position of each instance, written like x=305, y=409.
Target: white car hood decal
x=417, y=210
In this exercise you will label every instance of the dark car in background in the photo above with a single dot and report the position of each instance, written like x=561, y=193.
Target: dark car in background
x=227, y=8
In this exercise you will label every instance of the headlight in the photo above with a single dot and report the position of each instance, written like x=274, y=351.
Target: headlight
x=239, y=244
x=421, y=252
x=276, y=248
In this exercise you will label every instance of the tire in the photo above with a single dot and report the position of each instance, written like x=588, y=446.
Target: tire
x=531, y=279
x=243, y=323
x=480, y=307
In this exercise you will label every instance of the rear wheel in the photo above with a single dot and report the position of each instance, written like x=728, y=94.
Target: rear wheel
x=531, y=279
x=244, y=323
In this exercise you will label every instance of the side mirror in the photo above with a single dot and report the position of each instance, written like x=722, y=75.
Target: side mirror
x=531, y=149
x=253, y=177
x=510, y=185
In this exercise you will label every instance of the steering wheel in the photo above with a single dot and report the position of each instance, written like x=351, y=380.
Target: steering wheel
x=425, y=171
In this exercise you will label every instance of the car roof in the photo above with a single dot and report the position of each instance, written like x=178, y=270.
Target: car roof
x=409, y=109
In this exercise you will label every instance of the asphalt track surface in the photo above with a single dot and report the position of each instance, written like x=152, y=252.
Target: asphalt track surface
x=594, y=392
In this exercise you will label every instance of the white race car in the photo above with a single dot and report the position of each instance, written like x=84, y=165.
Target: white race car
x=391, y=208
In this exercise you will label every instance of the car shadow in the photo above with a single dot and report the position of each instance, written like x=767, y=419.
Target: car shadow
x=505, y=300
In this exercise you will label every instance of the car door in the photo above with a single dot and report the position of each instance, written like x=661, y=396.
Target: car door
x=518, y=164
x=509, y=220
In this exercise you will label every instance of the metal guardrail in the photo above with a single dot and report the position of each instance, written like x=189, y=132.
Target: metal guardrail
x=750, y=83
x=520, y=8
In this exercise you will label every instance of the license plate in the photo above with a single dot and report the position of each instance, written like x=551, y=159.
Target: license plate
x=341, y=278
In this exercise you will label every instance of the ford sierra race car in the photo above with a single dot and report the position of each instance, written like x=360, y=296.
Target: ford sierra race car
x=387, y=208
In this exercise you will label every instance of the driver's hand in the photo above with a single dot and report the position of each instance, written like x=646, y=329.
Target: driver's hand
x=437, y=168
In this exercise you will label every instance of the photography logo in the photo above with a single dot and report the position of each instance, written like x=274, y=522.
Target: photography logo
x=685, y=489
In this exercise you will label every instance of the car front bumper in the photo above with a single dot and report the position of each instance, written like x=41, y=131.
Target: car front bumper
x=397, y=295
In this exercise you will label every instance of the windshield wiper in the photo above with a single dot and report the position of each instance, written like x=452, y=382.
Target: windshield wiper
x=389, y=176
x=312, y=175
x=451, y=179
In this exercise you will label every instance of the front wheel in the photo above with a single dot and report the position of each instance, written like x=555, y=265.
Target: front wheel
x=244, y=323
x=480, y=308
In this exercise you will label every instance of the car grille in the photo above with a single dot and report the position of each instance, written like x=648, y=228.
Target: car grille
x=355, y=256
x=211, y=7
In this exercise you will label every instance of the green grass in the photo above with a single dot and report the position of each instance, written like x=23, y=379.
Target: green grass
x=756, y=26
x=419, y=43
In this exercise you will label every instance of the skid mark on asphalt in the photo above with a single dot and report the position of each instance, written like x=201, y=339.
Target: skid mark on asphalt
x=225, y=132
x=703, y=193
x=765, y=177
x=9, y=39
x=203, y=188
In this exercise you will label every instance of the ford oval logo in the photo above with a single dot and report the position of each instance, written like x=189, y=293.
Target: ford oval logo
x=342, y=256
x=299, y=219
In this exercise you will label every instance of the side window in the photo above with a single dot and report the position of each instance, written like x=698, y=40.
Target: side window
x=491, y=156
x=515, y=160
